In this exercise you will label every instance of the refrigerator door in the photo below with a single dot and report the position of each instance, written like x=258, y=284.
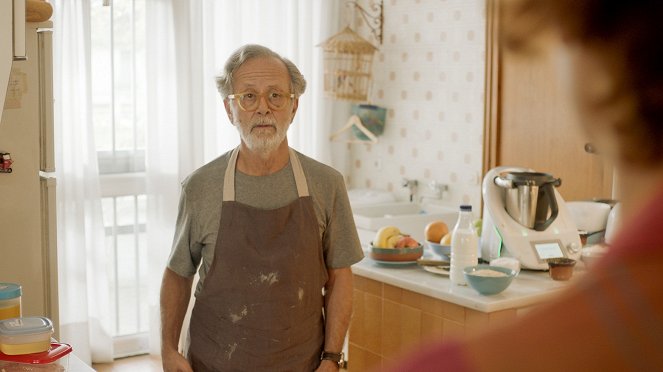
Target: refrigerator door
x=27, y=195
x=49, y=251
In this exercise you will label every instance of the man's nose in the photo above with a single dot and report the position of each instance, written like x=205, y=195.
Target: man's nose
x=263, y=107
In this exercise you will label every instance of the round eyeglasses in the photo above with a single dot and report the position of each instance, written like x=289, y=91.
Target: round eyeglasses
x=249, y=101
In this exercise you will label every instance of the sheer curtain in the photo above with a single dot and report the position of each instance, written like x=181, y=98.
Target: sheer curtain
x=187, y=44
x=83, y=284
x=187, y=124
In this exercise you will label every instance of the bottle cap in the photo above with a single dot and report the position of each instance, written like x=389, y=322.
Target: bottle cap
x=466, y=208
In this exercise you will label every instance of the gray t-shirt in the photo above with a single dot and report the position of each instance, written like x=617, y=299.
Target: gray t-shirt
x=200, y=211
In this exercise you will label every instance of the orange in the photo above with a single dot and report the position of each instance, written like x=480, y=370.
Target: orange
x=435, y=231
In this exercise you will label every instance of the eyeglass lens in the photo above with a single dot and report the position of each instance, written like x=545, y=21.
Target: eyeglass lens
x=275, y=100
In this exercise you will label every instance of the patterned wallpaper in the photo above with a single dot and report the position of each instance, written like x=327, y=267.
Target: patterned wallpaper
x=429, y=74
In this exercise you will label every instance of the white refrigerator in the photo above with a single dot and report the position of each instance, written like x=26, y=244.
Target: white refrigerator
x=28, y=242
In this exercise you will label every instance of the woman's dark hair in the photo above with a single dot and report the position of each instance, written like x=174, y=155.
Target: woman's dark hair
x=632, y=32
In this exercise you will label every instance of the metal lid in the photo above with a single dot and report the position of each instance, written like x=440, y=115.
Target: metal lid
x=9, y=291
x=25, y=326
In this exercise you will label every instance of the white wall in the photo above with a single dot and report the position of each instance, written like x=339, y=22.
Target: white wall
x=429, y=74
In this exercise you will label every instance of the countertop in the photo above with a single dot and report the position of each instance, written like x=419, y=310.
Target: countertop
x=527, y=289
x=77, y=365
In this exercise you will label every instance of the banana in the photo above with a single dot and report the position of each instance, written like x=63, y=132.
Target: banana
x=384, y=234
x=392, y=240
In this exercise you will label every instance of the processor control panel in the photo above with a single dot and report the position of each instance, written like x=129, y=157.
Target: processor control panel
x=546, y=249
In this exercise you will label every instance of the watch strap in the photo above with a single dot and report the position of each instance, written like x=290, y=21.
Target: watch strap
x=334, y=357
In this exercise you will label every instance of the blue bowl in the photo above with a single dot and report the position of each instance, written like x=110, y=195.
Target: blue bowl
x=488, y=285
x=439, y=249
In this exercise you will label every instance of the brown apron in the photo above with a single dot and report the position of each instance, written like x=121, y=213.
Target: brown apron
x=260, y=307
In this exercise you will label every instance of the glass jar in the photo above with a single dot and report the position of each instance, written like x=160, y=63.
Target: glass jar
x=10, y=300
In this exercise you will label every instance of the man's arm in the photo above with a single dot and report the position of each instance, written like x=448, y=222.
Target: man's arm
x=338, y=311
x=175, y=294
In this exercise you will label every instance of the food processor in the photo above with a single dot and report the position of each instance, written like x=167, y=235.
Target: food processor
x=524, y=217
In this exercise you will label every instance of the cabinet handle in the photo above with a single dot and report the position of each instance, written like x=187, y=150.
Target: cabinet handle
x=590, y=149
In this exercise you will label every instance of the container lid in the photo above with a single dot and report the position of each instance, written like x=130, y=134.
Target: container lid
x=9, y=291
x=25, y=326
x=55, y=352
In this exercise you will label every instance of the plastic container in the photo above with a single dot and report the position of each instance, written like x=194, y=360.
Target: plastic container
x=25, y=335
x=464, y=243
x=56, y=358
x=10, y=300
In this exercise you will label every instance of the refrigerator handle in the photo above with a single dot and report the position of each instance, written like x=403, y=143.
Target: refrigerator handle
x=46, y=121
x=19, y=30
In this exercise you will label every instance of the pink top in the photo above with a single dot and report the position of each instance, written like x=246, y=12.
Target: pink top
x=612, y=319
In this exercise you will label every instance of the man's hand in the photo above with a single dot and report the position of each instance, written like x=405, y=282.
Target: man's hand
x=175, y=362
x=327, y=366
x=338, y=310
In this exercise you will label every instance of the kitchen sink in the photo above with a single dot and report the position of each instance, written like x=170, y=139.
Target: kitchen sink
x=410, y=218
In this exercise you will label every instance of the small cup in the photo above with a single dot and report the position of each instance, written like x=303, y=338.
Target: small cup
x=561, y=268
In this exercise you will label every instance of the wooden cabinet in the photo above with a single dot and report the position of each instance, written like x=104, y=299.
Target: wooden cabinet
x=388, y=321
x=531, y=123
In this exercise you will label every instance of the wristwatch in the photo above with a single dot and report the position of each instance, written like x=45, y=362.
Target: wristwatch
x=334, y=357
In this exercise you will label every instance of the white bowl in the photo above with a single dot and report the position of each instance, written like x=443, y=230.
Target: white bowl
x=508, y=262
x=588, y=215
x=440, y=249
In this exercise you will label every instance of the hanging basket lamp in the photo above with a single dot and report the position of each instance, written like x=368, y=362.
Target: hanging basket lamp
x=348, y=59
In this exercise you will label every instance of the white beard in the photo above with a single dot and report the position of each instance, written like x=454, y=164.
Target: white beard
x=262, y=143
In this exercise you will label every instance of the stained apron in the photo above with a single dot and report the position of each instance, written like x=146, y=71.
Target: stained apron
x=260, y=307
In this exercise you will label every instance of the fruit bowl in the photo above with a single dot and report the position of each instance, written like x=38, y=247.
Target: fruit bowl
x=488, y=285
x=440, y=249
x=396, y=254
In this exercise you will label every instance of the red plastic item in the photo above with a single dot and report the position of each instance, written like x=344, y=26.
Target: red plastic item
x=56, y=352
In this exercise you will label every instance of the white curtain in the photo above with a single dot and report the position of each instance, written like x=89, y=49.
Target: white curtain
x=188, y=42
x=292, y=28
x=187, y=124
x=83, y=284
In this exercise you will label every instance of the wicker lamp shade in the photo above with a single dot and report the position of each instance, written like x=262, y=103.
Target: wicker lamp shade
x=348, y=59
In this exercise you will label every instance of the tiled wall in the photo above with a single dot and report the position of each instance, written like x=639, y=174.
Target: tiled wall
x=429, y=74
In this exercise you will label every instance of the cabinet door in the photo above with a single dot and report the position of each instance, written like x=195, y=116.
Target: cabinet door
x=538, y=129
x=531, y=123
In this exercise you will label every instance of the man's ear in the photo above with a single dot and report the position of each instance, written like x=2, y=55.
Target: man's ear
x=229, y=111
x=295, y=105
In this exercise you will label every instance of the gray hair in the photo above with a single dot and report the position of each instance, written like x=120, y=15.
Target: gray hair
x=247, y=52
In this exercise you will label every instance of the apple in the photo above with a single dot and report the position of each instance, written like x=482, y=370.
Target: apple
x=407, y=242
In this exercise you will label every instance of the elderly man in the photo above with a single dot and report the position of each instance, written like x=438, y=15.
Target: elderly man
x=272, y=233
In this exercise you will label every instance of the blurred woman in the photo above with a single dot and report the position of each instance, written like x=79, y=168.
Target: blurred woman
x=612, y=319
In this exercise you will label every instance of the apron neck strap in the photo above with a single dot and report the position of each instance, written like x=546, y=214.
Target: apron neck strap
x=229, y=179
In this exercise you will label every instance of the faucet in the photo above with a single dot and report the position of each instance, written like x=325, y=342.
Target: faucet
x=438, y=190
x=410, y=184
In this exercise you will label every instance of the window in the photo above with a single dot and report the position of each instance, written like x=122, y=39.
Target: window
x=118, y=115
